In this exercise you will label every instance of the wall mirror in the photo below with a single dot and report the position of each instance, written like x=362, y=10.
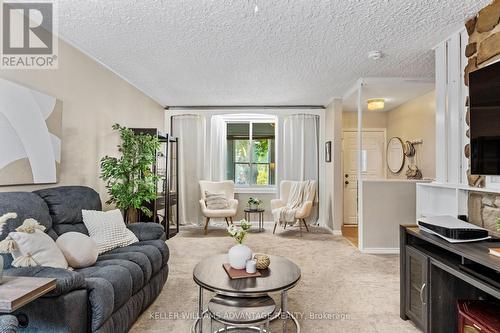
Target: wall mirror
x=395, y=155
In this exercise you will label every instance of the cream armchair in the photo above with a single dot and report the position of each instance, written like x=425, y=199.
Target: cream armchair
x=303, y=212
x=228, y=188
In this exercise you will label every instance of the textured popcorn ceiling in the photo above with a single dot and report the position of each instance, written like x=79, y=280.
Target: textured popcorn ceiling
x=219, y=52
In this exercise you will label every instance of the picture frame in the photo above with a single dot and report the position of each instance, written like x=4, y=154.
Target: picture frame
x=328, y=152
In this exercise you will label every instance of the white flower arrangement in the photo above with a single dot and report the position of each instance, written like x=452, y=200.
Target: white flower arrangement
x=238, y=233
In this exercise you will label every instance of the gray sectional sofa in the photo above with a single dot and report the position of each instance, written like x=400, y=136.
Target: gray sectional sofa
x=107, y=297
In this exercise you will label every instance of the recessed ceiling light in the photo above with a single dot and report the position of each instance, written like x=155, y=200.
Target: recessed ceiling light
x=375, y=104
x=375, y=55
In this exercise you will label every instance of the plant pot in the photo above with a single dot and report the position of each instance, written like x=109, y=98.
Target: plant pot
x=239, y=255
x=131, y=215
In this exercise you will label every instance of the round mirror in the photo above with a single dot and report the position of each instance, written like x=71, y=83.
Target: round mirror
x=395, y=155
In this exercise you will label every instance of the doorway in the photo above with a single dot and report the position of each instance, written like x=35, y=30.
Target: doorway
x=373, y=167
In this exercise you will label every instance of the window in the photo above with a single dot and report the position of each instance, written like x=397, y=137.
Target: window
x=250, y=153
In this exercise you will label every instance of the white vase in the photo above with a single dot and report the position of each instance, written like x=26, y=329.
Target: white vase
x=239, y=255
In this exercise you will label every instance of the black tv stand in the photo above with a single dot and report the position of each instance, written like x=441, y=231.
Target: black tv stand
x=435, y=274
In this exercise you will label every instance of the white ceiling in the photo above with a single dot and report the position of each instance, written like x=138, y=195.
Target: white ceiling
x=395, y=91
x=219, y=52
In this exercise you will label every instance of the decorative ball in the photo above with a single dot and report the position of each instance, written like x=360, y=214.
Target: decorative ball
x=263, y=261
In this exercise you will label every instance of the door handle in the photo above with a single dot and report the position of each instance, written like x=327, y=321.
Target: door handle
x=346, y=182
x=346, y=175
x=422, y=294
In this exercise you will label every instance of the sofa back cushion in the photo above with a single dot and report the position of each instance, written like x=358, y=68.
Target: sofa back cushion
x=26, y=205
x=65, y=204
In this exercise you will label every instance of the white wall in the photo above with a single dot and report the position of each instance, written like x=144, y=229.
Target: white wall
x=93, y=99
x=280, y=113
x=333, y=170
x=386, y=205
x=415, y=120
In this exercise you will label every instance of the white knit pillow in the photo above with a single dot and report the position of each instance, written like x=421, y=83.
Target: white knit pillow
x=216, y=200
x=108, y=229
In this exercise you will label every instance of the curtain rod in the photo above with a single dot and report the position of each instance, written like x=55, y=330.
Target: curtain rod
x=242, y=107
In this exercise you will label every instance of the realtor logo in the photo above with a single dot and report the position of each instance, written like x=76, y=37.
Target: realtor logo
x=28, y=35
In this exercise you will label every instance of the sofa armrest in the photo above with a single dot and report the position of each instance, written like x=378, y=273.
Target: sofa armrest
x=66, y=280
x=277, y=203
x=8, y=323
x=145, y=231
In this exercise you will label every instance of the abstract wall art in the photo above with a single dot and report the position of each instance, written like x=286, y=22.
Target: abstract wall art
x=30, y=135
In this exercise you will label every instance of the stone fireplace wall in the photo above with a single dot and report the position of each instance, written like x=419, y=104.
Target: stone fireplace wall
x=482, y=50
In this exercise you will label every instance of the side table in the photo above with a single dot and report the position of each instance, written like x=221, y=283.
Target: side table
x=260, y=212
x=17, y=291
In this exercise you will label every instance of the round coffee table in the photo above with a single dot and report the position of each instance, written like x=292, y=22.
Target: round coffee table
x=281, y=276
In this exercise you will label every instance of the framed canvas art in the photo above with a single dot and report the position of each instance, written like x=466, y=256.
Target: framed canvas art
x=30, y=135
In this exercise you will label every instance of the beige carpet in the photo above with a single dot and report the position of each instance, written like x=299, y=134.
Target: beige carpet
x=345, y=290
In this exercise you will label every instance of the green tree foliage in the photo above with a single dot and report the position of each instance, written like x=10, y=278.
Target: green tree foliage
x=129, y=179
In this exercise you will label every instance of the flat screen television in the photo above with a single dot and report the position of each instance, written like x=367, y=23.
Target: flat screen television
x=484, y=101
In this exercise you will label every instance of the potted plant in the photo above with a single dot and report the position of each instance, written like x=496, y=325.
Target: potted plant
x=239, y=254
x=129, y=179
x=254, y=203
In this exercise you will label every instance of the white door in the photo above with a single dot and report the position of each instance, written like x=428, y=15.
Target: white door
x=373, y=167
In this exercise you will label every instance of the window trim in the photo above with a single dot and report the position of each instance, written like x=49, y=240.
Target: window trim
x=254, y=188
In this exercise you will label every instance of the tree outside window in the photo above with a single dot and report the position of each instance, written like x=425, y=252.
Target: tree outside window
x=250, y=151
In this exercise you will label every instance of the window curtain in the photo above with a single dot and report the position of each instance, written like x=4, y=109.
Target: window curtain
x=300, y=151
x=218, y=149
x=190, y=129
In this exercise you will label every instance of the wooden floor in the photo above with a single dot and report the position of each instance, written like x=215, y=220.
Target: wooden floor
x=351, y=234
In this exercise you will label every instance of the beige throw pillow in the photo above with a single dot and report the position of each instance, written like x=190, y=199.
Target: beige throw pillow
x=216, y=200
x=79, y=249
x=36, y=249
x=108, y=229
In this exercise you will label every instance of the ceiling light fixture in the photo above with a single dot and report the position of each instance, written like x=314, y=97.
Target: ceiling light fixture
x=375, y=104
x=256, y=8
x=375, y=55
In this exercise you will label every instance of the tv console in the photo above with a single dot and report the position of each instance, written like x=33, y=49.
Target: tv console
x=436, y=274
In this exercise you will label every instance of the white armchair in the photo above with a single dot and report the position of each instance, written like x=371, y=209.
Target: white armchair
x=228, y=213
x=305, y=209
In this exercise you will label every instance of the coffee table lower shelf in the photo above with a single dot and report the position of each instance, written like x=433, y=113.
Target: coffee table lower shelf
x=288, y=316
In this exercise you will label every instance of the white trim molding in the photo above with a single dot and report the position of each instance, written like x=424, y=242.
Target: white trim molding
x=381, y=250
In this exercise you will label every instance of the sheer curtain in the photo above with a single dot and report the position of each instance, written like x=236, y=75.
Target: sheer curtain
x=300, y=148
x=190, y=129
x=218, y=148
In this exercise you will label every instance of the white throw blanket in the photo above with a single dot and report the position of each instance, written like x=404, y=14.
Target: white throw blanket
x=299, y=192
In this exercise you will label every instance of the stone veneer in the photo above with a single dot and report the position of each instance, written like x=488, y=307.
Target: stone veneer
x=482, y=50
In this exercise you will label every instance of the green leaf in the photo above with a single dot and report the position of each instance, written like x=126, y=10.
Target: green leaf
x=129, y=179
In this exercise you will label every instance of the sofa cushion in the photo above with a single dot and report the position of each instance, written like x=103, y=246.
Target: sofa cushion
x=147, y=230
x=108, y=229
x=26, y=205
x=138, y=258
x=160, y=245
x=36, y=249
x=66, y=280
x=152, y=253
x=65, y=204
x=134, y=270
x=118, y=276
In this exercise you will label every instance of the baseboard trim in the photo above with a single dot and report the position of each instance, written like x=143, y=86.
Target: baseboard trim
x=380, y=250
